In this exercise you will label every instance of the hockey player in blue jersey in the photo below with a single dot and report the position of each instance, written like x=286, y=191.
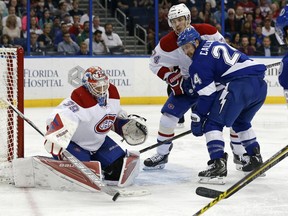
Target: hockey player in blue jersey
x=281, y=27
x=231, y=90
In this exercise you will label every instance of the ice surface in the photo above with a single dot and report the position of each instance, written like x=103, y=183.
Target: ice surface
x=172, y=189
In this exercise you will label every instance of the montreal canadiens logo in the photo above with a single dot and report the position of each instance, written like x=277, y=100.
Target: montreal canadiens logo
x=105, y=124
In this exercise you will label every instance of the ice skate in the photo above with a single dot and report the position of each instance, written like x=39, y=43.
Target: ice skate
x=237, y=161
x=251, y=162
x=155, y=162
x=216, y=171
x=180, y=125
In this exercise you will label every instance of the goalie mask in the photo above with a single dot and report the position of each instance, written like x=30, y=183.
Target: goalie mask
x=97, y=83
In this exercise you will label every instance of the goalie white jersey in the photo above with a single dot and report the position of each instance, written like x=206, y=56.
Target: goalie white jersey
x=92, y=121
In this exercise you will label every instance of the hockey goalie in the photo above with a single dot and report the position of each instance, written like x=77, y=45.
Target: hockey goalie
x=80, y=124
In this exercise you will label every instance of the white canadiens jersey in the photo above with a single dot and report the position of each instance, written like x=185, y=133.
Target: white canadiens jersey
x=167, y=54
x=93, y=121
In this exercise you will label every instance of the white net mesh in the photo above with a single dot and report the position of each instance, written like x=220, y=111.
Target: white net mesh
x=9, y=120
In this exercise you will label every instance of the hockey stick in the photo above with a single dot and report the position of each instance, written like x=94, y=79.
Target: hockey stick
x=73, y=160
x=165, y=141
x=276, y=158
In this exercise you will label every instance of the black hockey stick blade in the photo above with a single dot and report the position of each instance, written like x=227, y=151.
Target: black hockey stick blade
x=207, y=192
x=165, y=141
x=276, y=158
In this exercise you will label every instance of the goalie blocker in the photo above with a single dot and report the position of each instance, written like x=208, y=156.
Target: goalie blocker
x=48, y=173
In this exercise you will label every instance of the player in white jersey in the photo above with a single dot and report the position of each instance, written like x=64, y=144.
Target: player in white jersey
x=233, y=106
x=91, y=111
x=171, y=65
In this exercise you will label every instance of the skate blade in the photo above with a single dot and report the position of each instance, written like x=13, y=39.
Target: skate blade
x=158, y=167
x=213, y=181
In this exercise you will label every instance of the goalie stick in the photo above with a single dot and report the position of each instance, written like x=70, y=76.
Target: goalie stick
x=73, y=160
x=164, y=141
x=219, y=195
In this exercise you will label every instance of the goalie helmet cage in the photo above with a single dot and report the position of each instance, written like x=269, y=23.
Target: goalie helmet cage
x=11, y=89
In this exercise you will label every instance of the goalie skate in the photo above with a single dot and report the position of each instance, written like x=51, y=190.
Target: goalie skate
x=215, y=173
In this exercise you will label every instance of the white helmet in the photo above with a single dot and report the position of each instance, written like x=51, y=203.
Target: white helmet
x=178, y=11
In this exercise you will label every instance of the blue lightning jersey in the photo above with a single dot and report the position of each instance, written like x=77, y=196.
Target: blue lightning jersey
x=283, y=70
x=217, y=63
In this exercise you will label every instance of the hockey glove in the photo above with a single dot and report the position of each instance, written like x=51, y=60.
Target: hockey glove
x=54, y=149
x=187, y=87
x=175, y=81
x=197, y=124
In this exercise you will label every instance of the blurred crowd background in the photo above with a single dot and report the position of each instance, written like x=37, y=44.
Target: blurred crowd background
x=131, y=27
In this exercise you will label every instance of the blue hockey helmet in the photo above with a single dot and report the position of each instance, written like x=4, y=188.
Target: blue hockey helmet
x=281, y=25
x=189, y=35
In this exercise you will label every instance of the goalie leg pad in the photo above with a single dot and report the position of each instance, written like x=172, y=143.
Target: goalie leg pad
x=130, y=169
x=43, y=172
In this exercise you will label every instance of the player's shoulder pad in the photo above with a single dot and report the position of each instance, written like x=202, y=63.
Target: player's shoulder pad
x=83, y=98
x=113, y=92
x=168, y=43
x=205, y=29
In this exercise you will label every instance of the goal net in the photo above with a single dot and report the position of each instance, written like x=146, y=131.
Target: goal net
x=12, y=90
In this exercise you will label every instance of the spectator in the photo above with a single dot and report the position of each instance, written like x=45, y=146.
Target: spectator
x=76, y=27
x=247, y=5
x=230, y=22
x=245, y=47
x=195, y=16
x=3, y=9
x=62, y=9
x=34, y=44
x=165, y=4
x=164, y=27
x=83, y=49
x=96, y=24
x=68, y=46
x=45, y=19
x=275, y=11
x=236, y=41
x=206, y=14
x=267, y=29
x=34, y=27
x=59, y=36
x=112, y=40
x=5, y=41
x=66, y=18
x=258, y=18
x=124, y=5
x=144, y=3
x=84, y=33
x=247, y=29
x=266, y=49
x=85, y=17
x=264, y=7
x=56, y=27
x=75, y=9
x=40, y=8
x=250, y=19
x=218, y=14
x=14, y=3
x=52, y=6
x=258, y=35
x=253, y=43
x=12, y=11
x=98, y=45
x=11, y=27
x=239, y=18
x=24, y=19
x=45, y=40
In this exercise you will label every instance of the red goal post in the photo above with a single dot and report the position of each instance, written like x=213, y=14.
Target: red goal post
x=11, y=89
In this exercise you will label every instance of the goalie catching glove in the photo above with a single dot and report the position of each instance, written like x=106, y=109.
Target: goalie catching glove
x=133, y=129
